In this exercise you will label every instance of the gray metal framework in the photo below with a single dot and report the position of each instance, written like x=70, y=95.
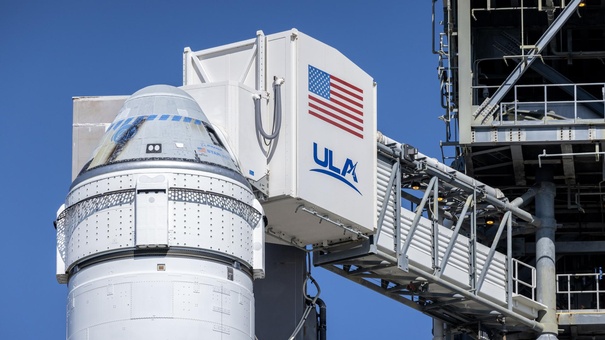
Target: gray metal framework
x=488, y=108
x=447, y=194
x=523, y=92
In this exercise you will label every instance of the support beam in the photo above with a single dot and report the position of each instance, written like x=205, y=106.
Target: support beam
x=492, y=250
x=569, y=169
x=493, y=166
x=454, y=238
x=402, y=256
x=566, y=248
x=461, y=52
x=518, y=166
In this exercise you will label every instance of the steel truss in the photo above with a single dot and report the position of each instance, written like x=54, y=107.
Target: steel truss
x=385, y=261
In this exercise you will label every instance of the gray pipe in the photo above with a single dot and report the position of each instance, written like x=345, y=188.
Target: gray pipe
x=546, y=289
x=277, y=118
x=276, y=113
x=525, y=198
x=438, y=329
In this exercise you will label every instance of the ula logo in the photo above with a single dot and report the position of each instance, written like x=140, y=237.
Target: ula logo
x=327, y=167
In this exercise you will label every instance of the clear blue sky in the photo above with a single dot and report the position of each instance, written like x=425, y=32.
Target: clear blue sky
x=51, y=51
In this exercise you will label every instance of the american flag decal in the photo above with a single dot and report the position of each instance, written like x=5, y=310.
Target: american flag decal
x=336, y=101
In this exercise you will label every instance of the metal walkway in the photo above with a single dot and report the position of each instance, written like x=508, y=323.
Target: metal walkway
x=444, y=272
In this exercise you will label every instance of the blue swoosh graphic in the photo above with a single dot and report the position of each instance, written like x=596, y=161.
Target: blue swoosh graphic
x=332, y=174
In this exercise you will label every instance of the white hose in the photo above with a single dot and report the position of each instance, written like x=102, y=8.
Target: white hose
x=273, y=137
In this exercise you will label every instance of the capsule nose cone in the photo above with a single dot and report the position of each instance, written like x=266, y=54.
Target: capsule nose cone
x=161, y=122
x=160, y=89
x=160, y=100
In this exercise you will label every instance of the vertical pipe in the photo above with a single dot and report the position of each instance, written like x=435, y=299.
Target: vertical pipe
x=461, y=56
x=397, y=206
x=598, y=302
x=575, y=102
x=516, y=104
x=568, y=292
x=522, y=30
x=435, y=225
x=546, y=103
x=545, y=252
x=438, y=329
x=433, y=28
x=472, y=247
x=509, y=262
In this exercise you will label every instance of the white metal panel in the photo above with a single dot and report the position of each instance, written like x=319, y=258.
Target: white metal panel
x=230, y=106
x=91, y=117
x=151, y=298
x=151, y=203
x=212, y=228
x=336, y=144
x=108, y=230
x=233, y=62
x=258, y=246
x=282, y=57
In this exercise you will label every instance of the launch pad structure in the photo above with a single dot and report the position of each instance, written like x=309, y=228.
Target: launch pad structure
x=524, y=98
x=506, y=242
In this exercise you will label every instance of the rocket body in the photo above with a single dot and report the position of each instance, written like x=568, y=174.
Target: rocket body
x=160, y=236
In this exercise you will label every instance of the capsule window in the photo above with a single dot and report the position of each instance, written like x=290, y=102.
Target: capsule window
x=213, y=136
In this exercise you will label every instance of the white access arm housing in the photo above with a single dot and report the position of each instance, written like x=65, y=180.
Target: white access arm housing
x=321, y=175
x=320, y=163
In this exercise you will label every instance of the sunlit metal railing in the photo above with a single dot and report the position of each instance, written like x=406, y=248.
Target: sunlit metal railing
x=580, y=291
x=558, y=102
x=521, y=286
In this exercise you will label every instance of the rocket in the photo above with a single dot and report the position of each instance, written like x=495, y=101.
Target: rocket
x=160, y=236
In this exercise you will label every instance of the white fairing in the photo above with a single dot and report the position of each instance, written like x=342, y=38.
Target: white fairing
x=160, y=235
x=160, y=298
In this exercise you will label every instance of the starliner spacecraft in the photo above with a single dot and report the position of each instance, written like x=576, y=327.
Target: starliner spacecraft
x=160, y=236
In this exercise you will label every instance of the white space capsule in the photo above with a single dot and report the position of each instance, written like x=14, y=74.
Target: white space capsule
x=160, y=236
